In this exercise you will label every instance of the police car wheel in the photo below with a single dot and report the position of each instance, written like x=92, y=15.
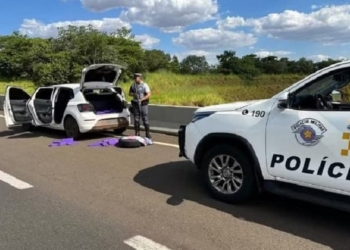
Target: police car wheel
x=128, y=143
x=228, y=174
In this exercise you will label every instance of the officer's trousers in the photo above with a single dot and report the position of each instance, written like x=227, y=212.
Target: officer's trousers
x=140, y=112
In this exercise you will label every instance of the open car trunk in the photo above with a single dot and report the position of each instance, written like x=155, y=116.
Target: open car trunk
x=105, y=102
x=100, y=76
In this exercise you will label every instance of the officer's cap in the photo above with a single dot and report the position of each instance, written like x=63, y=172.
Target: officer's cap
x=137, y=75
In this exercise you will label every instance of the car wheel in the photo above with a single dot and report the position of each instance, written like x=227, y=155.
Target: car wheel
x=228, y=174
x=71, y=128
x=119, y=131
x=27, y=127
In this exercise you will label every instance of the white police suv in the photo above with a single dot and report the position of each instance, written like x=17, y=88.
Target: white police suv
x=295, y=144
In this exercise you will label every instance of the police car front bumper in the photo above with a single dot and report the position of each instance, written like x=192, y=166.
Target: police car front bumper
x=181, y=140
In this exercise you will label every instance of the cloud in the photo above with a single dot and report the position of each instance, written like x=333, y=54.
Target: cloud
x=315, y=7
x=168, y=15
x=320, y=58
x=328, y=25
x=231, y=22
x=35, y=28
x=279, y=53
x=213, y=39
x=147, y=41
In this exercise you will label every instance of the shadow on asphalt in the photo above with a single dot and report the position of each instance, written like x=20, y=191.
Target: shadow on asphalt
x=19, y=133
x=181, y=180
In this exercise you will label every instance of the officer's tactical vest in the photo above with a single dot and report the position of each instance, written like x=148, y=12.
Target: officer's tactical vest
x=140, y=90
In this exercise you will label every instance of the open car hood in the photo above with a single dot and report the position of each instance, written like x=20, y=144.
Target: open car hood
x=100, y=76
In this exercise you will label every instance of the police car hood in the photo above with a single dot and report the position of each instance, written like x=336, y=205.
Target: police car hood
x=228, y=106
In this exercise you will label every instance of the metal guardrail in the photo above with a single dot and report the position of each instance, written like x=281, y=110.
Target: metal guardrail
x=162, y=118
x=1, y=101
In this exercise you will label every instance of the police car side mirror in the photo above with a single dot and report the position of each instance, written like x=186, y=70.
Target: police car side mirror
x=282, y=104
x=283, y=101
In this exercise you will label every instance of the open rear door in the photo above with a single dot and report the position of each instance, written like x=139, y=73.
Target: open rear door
x=40, y=106
x=100, y=76
x=15, y=107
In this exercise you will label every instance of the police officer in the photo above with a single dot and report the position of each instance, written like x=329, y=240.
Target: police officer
x=140, y=91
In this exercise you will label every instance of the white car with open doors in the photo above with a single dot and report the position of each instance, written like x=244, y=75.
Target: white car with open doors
x=97, y=103
x=295, y=144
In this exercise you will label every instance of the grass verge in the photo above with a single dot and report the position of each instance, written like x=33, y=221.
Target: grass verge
x=198, y=90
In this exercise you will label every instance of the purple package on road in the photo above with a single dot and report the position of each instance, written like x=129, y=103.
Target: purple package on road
x=63, y=142
x=104, y=143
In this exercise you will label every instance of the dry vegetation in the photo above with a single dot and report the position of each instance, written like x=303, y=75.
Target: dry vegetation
x=200, y=90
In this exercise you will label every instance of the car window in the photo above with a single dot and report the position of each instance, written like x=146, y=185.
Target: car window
x=326, y=84
x=44, y=94
x=18, y=94
x=66, y=93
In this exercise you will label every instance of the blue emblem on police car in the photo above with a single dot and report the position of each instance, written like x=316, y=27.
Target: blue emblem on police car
x=309, y=131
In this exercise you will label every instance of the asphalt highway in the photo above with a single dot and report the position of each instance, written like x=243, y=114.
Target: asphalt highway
x=78, y=197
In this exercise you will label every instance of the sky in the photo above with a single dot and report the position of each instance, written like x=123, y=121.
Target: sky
x=314, y=29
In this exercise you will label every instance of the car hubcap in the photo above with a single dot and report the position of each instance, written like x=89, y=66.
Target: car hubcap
x=225, y=174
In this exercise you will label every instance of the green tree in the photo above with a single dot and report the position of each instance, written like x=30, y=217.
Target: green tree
x=16, y=56
x=228, y=62
x=156, y=60
x=247, y=67
x=193, y=64
x=56, y=70
x=271, y=65
x=174, y=64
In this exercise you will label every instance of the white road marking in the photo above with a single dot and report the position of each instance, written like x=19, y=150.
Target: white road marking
x=13, y=181
x=141, y=243
x=166, y=144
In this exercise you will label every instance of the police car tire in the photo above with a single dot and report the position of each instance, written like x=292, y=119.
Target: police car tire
x=248, y=188
x=128, y=143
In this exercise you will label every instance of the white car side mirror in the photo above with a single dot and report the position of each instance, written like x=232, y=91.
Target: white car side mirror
x=283, y=101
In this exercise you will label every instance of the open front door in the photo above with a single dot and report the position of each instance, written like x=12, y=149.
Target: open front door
x=15, y=107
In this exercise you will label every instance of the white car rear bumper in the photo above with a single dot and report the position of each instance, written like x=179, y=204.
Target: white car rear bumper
x=92, y=122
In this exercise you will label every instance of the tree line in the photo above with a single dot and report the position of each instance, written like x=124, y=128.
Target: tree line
x=48, y=61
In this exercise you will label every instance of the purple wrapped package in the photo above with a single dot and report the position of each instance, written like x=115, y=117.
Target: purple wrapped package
x=111, y=141
x=63, y=142
x=106, y=112
x=104, y=143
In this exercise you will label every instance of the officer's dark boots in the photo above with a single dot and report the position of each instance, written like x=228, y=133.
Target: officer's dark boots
x=148, y=135
x=137, y=129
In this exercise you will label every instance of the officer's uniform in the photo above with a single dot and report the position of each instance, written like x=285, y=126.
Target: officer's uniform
x=140, y=109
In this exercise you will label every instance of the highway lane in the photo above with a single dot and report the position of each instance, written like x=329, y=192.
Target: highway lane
x=97, y=198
